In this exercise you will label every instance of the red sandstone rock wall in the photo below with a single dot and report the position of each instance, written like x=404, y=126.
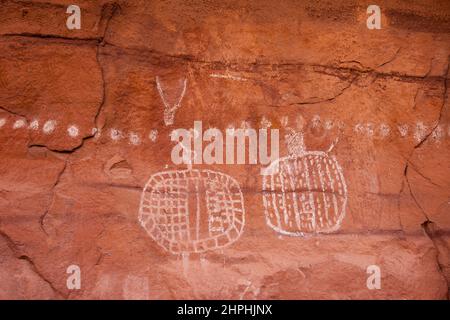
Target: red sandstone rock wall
x=82, y=129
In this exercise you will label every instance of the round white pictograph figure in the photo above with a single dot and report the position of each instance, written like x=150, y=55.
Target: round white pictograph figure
x=307, y=194
x=192, y=211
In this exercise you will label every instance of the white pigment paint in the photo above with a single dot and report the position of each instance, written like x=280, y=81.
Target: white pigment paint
x=369, y=129
x=153, y=135
x=49, y=126
x=248, y=285
x=294, y=142
x=438, y=133
x=284, y=121
x=97, y=133
x=300, y=123
x=403, y=129
x=169, y=111
x=34, y=125
x=384, y=130
x=307, y=194
x=2, y=122
x=420, y=132
x=73, y=131
x=19, y=124
x=134, y=139
x=315, y=122
x=192, y=211
x=265, y=123
x=329, y=124
x=359, y=128
x=116, y=134
x=227, y=76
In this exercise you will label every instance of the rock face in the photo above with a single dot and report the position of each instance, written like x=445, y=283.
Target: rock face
x=87, y=116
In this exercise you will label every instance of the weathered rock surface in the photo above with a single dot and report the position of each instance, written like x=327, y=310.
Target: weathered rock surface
x=82, y=129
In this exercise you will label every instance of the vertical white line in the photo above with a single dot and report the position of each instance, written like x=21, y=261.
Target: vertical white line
x=229, y=210
x=311, y=197
x=336, y=210
x=283, y=195
x=177, y=208
x=325, y=202
x=274, y=201
x=197, y=197
x=342, y=191
x=186, y=204
x=168, y=202
x=294, y=194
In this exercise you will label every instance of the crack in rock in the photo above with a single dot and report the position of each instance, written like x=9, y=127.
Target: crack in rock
x=418, y=145
x=108, y=11
x=444, y=99
x=442, y=249
x=412, y=193
x=55, y=185
x=390, y=60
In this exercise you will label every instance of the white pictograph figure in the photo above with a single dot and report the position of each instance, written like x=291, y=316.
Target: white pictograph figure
x=192, y=211
x=169, y=109
x=307, y=194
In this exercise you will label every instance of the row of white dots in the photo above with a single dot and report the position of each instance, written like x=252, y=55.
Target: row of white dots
x=371, y=130
x=419, y=130
x=133, y=137
x=50, y=125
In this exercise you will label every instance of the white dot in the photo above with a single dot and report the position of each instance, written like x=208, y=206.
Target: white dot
x=19, y=124
x=73, y=131
x=134, y=139
x=284, y=121
x=2, y=122
x=316, y=121
x=96, y=132
x=438, y=133
x=116, y=134
x=153, y=135
x=384, y=130
x=34, y=125
x=49, y=126
x=265, y=123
